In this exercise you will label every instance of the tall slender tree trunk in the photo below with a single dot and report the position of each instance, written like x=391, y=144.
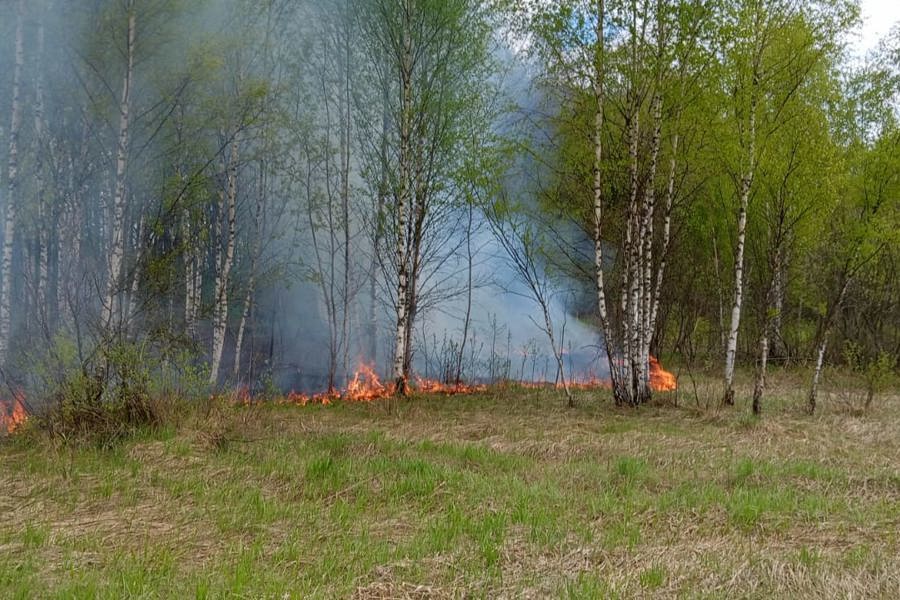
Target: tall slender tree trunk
x=557, y=354
x=628, y=292
x=770, y=307
x=719, y=293
x=667, y=233
x=416, y=232
x=136, y=274
x=631, y=272
x=778, y=346
x=190, y=277
x=646, y=276
x=380, y=202
x=345, y=130
x=251, y=284
x=402, y=208
x=466, y=320
x=597, y=168
x=12, y=200
x=245, y=317
x=117, y=247
x=70, y=232
x=746, y=185
x=44, y=210
x=223, y=274
x=824, y=330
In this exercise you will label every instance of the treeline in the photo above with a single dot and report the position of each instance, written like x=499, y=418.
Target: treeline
x=246, y=192
x=737, y=169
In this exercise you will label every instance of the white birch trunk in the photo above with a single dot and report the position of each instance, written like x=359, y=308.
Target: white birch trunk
x=136, y=275
x=608, y=340
x=223, y=274
x=633, y=249
x=746, y=184
x=43, y=234
x=251, y=284
x=403, y=201
x=823, y=345
x=9, y=227
x=380, y=202
x=346, y=128
x=760, y=383
x=245, y=316
x=117, y=248
x=817, y=373
x=190, y=290
x=778, y=349
x=629, y=256
x=646, y=305
x=667, y=233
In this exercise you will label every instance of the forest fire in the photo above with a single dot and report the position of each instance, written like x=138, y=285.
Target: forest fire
x=432, y=386
x=660, y=380
x=14, y=415
x=366, y=386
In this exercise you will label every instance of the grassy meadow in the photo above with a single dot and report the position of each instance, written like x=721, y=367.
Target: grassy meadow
x=505, y=494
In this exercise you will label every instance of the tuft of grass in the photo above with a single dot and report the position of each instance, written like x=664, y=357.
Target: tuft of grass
x=34, y=536
x=653, y=577
x=809, y=557
x=587, y=587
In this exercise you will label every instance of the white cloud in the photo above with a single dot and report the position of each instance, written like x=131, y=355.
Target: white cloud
x=878, y=18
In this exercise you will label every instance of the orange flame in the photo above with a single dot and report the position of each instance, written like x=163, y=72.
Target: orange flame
x=13, y=417
x=660, y=379
x=366, y=386
x=432, y=386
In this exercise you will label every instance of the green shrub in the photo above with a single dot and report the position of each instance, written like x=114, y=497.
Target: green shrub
x=108, y=398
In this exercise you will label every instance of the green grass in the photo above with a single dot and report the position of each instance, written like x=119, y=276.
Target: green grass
x=504, y=493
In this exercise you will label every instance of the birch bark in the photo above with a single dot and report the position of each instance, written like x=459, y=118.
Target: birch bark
x=827, y=321
x=403, y=200
x=251, y=284
x=768, y=322
x=646, y=295
x=117, y=247
x=746, y=185
x=667, y=233
x=136, y=275
x=223, y=274
x=43, y=231
x=9, y=227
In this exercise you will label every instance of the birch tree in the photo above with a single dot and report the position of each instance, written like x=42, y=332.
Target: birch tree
x=766, y=63
x=118, y=225
x=859, y=229
x=226, y=240
x=437, y=54
x=641, y=76
x=12, y=186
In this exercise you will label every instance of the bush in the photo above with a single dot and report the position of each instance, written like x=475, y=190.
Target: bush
x=873, y=374
x=108, y=398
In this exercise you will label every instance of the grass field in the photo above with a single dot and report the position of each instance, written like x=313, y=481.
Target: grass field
x=504, y=494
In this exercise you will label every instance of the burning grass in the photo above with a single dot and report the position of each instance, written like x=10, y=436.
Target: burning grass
x=366, y=386
x=501, y=493
x=13, y=414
